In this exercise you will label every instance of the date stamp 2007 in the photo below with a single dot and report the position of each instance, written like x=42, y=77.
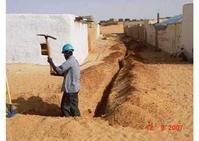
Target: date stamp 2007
x=163, y=127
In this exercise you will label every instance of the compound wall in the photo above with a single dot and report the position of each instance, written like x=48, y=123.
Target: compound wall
x=136, y=30
x=23, y=44
x=169, y=39
x=150, y=34
x=187, y=30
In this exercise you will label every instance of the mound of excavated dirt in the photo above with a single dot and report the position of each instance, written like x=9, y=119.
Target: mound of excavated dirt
x=150, y=92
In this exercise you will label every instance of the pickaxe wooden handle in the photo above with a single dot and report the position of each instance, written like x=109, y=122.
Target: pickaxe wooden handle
x=8, y=92
x=48, y=49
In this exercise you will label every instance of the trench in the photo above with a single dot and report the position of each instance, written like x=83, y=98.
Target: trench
x=101, y=106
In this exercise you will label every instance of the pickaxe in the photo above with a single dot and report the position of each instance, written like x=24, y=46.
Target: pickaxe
x=45, y=50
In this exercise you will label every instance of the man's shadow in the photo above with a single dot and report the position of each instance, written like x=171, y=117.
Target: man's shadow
x=36, y=106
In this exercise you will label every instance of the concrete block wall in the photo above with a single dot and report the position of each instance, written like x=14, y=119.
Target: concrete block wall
x=23, y=44
x=136, y=30
x=169, y=40
x=128, y=27
x=150, y=34
x=172, y=38
x=187, y=30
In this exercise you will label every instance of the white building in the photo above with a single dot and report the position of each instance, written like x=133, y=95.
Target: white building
x=23, y=44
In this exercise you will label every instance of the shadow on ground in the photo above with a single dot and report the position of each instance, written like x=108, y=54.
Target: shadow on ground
x=36, y=106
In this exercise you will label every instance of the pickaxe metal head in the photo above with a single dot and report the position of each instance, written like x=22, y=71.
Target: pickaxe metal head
x=47, y=36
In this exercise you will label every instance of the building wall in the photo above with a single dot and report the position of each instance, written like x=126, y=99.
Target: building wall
x=136, y=30
x=131, y=28
x=23, y=44
x=150, y=34
x=92, y=35
x=98, y=31
x=187, y=30
x=169, y=39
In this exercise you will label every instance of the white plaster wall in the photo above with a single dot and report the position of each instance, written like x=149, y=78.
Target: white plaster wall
x=23, y=45
x=187, y=30
x=98, y=31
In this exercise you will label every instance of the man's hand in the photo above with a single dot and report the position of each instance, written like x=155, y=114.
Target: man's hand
x=50, y=61
x=53, y=73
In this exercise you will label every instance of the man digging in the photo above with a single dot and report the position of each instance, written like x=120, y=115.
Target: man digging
x=70, y=69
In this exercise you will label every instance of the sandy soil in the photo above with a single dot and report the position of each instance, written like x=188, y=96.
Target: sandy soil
x=153, y=91
x=119, y=28
x=124, y=93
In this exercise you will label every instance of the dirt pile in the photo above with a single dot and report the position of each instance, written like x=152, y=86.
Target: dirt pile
x=95, y=78
x=150, y=93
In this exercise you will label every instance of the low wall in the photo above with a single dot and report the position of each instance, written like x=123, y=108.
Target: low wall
x=169, y=40
x=150, y=34
x=23, y=44
x=135, y=30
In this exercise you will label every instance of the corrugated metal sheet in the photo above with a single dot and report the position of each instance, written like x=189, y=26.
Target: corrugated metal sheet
x=172, y=20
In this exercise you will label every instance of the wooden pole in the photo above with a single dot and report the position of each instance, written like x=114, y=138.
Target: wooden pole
x=8, y=92
x=156, y=32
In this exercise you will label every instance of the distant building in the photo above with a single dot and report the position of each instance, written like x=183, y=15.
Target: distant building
x=121, y=20
x=127, y=20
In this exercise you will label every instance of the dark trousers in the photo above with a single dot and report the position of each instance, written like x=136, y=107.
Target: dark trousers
x=69, y=104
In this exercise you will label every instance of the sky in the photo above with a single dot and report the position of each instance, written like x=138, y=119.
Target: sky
x=100, y=9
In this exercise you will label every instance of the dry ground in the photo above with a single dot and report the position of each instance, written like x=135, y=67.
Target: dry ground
x=119, y=28
x=146, y=87
x=154, y=89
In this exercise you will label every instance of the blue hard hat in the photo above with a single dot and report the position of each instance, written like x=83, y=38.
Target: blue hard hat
x=67, y=47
